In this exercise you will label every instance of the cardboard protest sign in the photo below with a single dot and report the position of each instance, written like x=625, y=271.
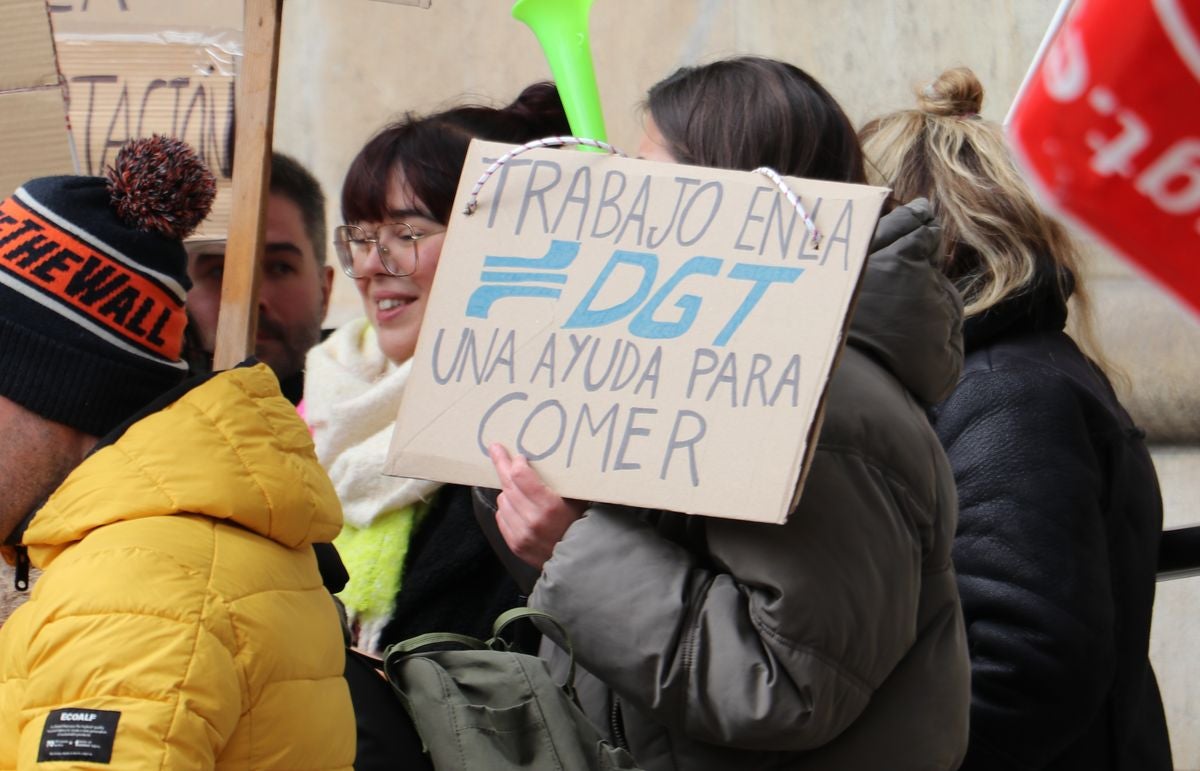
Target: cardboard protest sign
x=648, y=334
x=166, y=18
x=33, y=121
x=1109, y=131
x=135, y=68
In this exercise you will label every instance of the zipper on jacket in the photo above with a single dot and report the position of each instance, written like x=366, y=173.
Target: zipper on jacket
x=22, y=569
x=617, y=723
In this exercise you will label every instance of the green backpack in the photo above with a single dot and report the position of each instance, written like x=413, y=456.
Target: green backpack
x=481, y=705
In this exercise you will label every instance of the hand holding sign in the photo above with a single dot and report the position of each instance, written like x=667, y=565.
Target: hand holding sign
x=531, y=517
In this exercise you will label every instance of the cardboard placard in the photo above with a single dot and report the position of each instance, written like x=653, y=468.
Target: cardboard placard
x=121, y=91
x=647, y=334
x=136, y=68
x=151, y=17
x=27, y=56
x=33, y=124
x=33, y=137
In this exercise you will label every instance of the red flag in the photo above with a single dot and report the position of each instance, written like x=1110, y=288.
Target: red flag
x=1108, y=130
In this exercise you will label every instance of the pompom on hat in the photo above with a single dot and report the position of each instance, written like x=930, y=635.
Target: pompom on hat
x=93, y=278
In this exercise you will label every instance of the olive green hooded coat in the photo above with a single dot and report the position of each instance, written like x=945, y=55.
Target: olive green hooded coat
x=834, y=641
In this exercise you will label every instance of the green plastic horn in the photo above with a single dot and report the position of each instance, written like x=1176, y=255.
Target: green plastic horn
x=561, y=27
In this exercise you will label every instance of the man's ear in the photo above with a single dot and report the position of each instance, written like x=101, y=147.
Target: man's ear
x=326, y=289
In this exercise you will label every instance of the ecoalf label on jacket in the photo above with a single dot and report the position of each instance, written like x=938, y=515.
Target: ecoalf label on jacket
x=79, y=734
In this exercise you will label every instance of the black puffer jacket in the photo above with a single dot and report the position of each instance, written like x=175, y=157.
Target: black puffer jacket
x=1058, y=529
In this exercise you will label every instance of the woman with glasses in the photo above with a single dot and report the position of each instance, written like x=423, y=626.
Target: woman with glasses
x=417, y=560
x=1059, y=507
x=834, y=641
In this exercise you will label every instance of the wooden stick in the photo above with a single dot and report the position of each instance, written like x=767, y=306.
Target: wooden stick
x=238, y=318
x=1060, y=15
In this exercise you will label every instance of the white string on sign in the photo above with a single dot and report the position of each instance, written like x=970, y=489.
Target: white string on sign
x=774, y=176
x=794, y=200
x=473, y=199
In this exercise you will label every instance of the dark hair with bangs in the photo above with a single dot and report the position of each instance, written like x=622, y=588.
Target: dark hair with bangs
x=749, y=111
x=431, y=151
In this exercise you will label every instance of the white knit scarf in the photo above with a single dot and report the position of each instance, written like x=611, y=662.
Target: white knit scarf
x=351, y=396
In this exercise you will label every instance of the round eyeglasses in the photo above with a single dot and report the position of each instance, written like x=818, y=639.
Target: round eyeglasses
x=396, y=243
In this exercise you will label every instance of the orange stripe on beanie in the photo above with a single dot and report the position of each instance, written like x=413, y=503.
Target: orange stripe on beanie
x=93, y=277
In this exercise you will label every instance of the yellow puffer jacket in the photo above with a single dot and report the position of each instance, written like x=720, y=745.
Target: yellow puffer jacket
x=181, y=591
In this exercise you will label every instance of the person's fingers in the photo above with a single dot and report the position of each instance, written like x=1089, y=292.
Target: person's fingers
x=526, y=491
x=523, y=518
x=510, y=522
x=520, y=537
x=504, y=523
x=498, y=452
x=531, y=516
x=513, y=511
x=511, y=534
x=502, y=462
x=522, y=481
x=524, y=478
x=528, y=482
x=525, y=487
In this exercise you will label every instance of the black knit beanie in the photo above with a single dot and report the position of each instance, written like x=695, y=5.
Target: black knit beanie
x=93, y=277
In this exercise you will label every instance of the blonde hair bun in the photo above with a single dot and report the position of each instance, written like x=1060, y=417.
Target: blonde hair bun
x=955, y=92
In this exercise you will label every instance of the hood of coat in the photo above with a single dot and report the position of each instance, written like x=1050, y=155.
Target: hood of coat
x=231, y=448
x=909, y=316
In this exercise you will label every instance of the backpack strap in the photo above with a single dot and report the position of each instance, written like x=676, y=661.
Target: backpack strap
x=533, y=614
x=415, y=644
x=397, y=652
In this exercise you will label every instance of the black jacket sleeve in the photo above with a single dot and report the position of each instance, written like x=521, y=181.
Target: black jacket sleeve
x=1032, y=559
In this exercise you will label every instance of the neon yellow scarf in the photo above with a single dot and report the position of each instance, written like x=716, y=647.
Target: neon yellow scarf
x=374, y=556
